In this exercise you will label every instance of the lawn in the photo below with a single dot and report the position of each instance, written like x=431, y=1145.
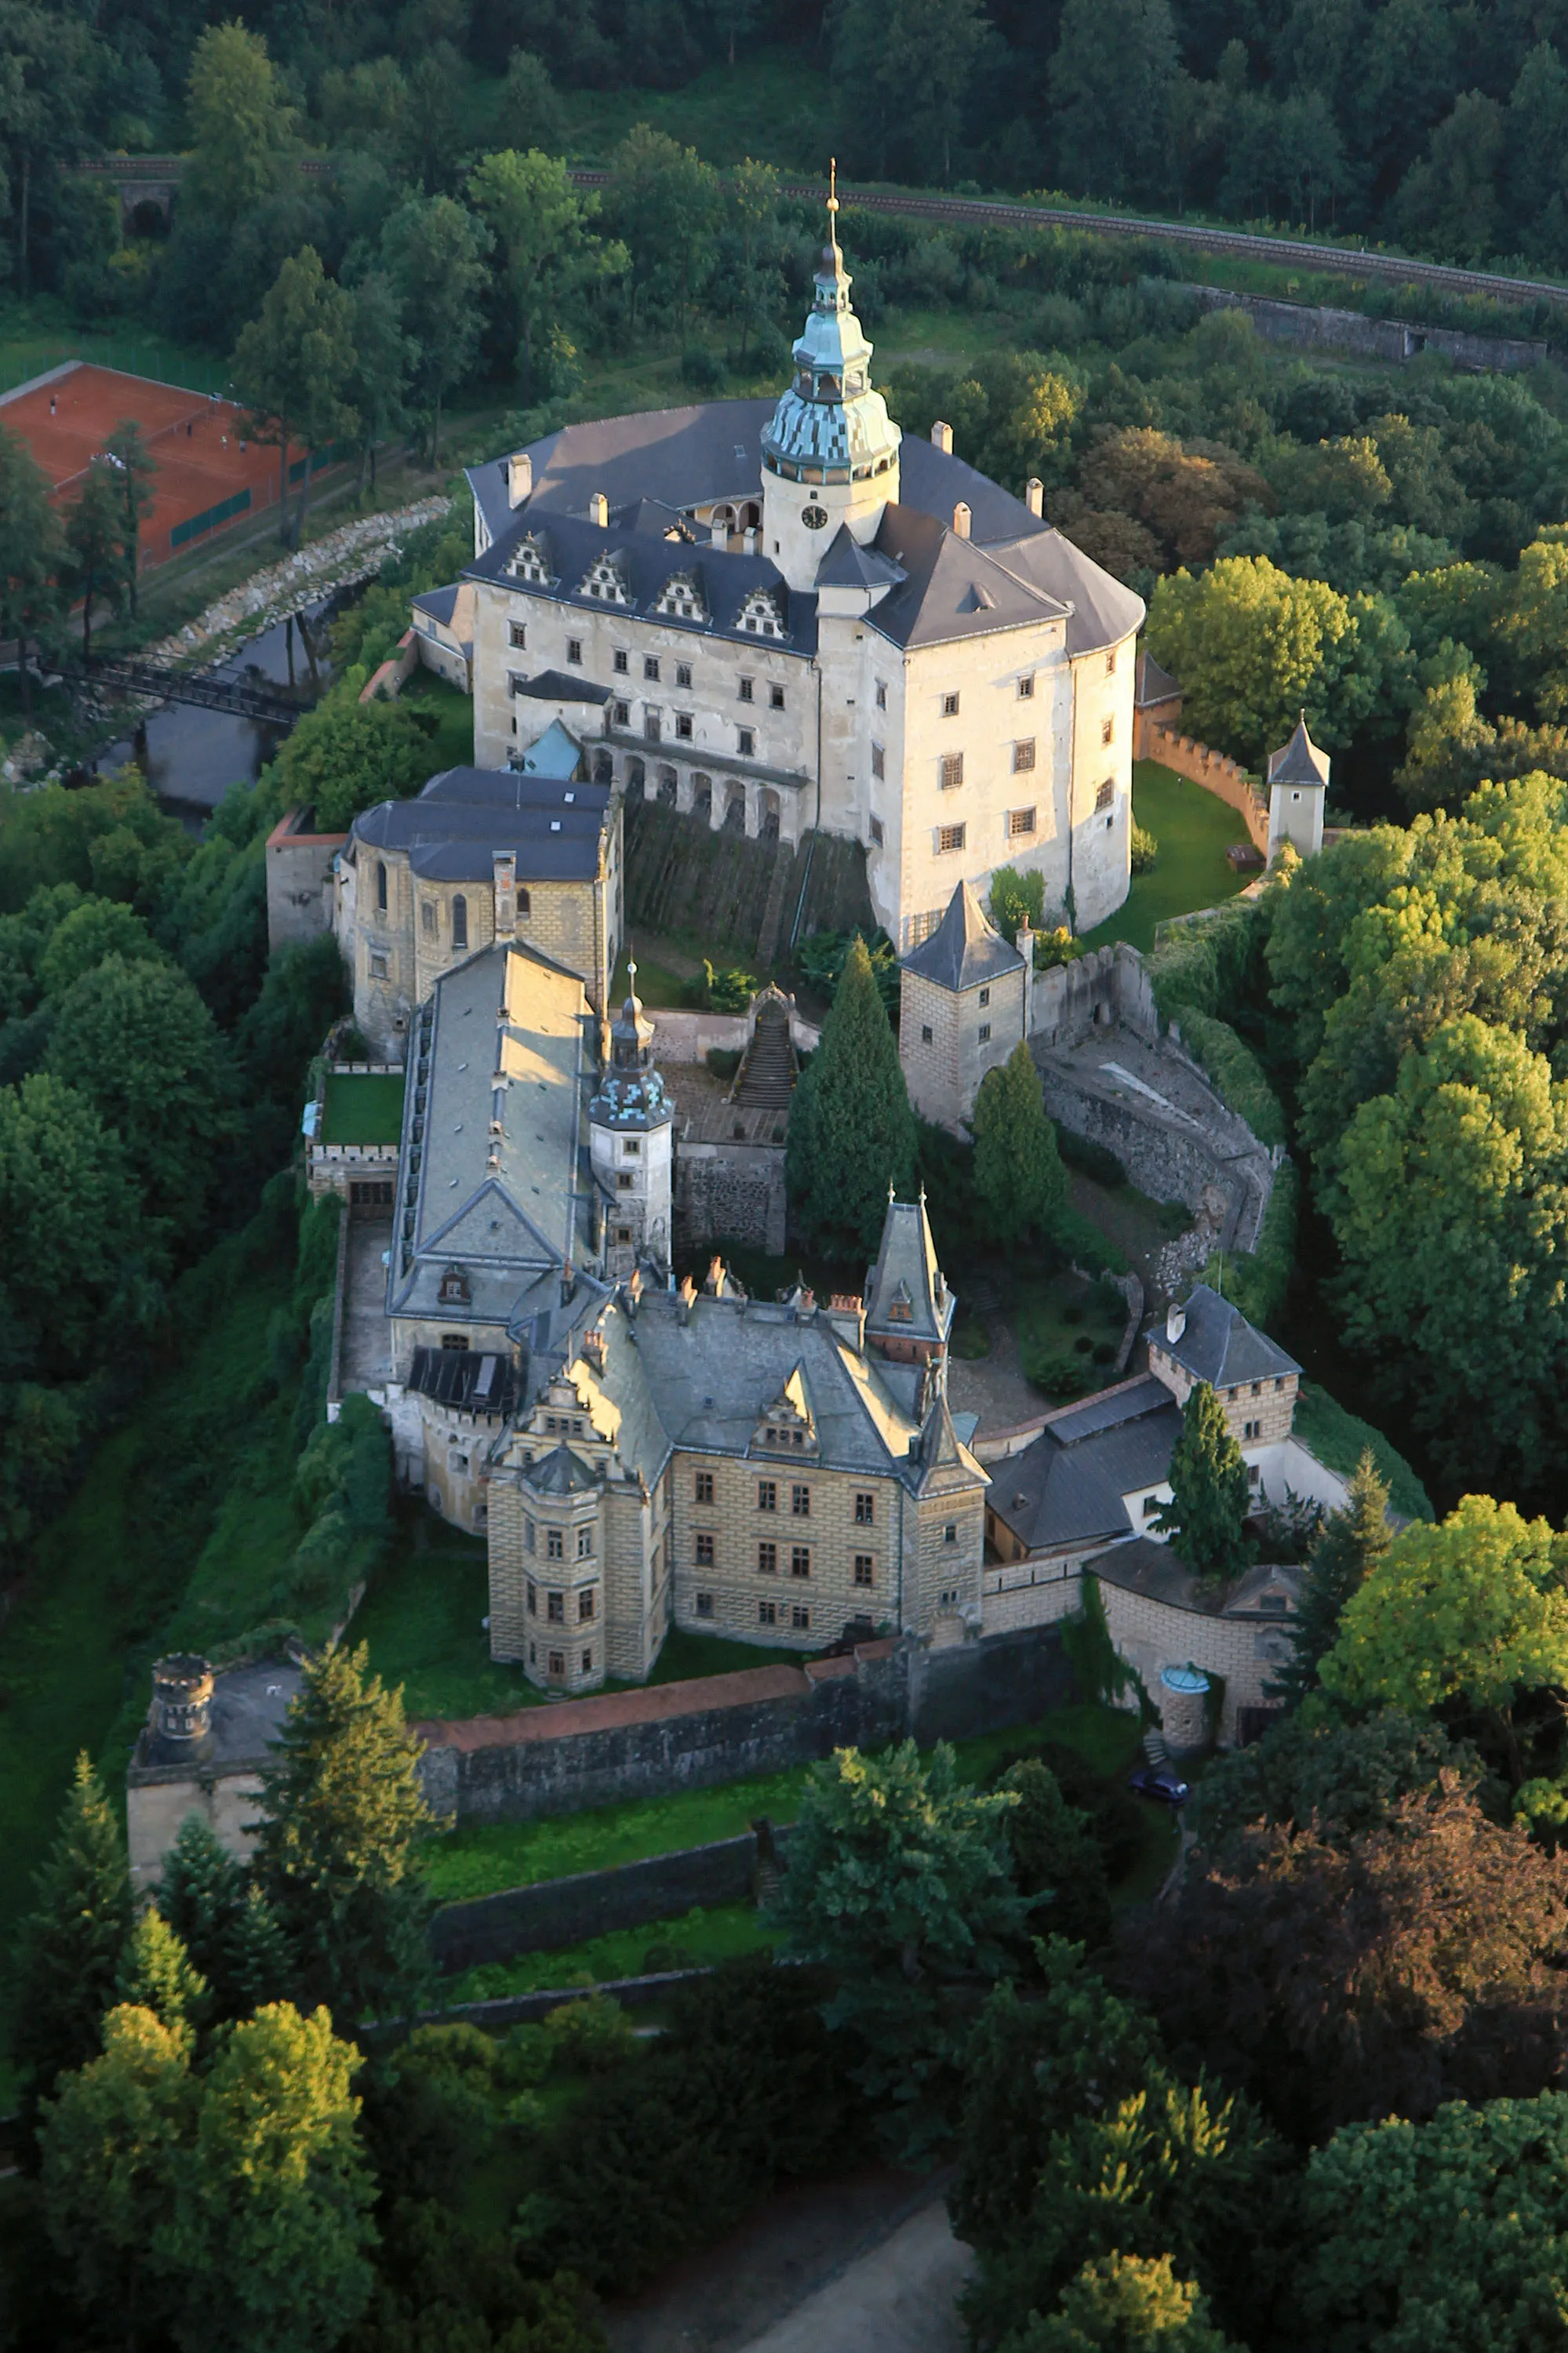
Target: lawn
x=453, y=743
x=361, y=1110
x=423, y=1619
x=695, y=1940
x=1194, y=828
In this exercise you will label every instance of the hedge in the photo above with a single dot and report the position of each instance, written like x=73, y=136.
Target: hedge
x=1237, y=1074
x=1256, y=1279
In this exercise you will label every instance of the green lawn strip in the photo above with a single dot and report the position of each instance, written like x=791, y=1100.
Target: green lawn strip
x=493, y=1856
x=423, y=1619
x=693, y=1941
x=687, y=1658
x=1193, y=828
x=1337, y=1437
x=453, y=743
x=360, y=1110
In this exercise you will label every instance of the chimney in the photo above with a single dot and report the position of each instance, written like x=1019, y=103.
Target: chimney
x=715, y=1285
x=718, y=531
x=942, y=438
x=846, y=1314
x=598, y=509
x=593, y=1348
x=568, y=1283
x=750, y=540
x=182, y=1697
x=519, y=478
x=504, y=874
x=805, y=1303
x=1175, y=1323
x=687, y=1296
x=1034, y=496
x=961, y=519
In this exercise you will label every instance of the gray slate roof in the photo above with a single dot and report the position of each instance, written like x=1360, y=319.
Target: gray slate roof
x=1220, y=1346
x=1153, y=684
x=1299, y=761
x=906, y=1275
x=464, y=816
x=964, y=951
x=1067, y=1487
x=562, y=686
x=561, y=1472
x=439, y=603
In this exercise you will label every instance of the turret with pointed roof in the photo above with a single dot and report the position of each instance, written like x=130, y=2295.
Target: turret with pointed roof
x=631, y=1142
x=909, y=1306
x=1297, y=787
x=964, y=1005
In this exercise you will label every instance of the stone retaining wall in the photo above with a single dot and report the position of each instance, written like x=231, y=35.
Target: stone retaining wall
x=1320, y=328
x=732, y=1192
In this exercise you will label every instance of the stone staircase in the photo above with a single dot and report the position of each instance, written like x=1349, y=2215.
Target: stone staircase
x=768, y=1074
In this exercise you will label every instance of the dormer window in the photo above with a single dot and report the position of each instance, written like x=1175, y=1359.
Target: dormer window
x=455, y=1291
x=604, y=581
x=760, y=615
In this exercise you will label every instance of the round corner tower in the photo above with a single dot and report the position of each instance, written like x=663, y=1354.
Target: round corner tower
x=630, y=1144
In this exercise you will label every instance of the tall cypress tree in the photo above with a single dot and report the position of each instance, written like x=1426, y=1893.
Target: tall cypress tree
x=70, y=1946
x=851, y=1131
x=1209, y=1490
x=338, y=1854
x=1350, y=1544
x=1018, y=1171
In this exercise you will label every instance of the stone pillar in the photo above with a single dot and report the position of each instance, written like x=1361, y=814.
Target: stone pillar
x=1183, y=1710
x=684, y=791
x=753, y=811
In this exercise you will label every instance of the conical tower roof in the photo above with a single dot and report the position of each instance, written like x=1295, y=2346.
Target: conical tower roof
x=1299, y=761
x=964, y=950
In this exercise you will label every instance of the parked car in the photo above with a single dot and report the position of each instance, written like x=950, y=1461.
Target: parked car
x=1160, y=1782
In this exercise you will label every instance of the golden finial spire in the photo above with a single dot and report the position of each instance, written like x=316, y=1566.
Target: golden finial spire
x=832, y=184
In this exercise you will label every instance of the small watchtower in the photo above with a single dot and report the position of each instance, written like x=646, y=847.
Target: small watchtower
x=631, y=1140
x=1297, y=787
x=964, y=1005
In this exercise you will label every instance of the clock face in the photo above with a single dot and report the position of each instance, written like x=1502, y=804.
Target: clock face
x=814, y=518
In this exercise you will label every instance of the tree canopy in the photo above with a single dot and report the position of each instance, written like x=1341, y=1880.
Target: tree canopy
x=851, y=1131
x=1210, y=1497
x=1018, y=1172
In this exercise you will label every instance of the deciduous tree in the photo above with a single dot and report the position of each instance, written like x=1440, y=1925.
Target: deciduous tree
x=1350, y=1545
x=241, y=126
x=293, y=366
x=134, y=468
x=541, y=226
x=95, y=546
x=433, y=251
x=31, y=551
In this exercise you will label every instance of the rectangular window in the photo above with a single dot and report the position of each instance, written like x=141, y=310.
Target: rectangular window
x=1110, y=663
x=767, y=1495
x=876, y=833
x=651, y=667
x=575, y=651
x=585, y=1544
x=1151, y=1504
x=584, y=1606
x=776, y=698
x=747, y=744
x=949, y=838
x=682, y=674
x=1108, y=731
x=767, y=1613
x=746, y=690
x=800, y=1618
x=1252, y=1429
x=533, y=1600
x=528, y=1533
x=427, y=918
x=984, y=998
x=1023, y=756
x=985, y=1033
x=705, y=1549
x=558, y=1662
x=950, y=1533
x=623, y=715
x=377, y=966
x=684, y=727
x=555, y=1549
x=800, y=1502
x=621, y=665
x=881, y=696
x=863, y=1572
x=651, y=726
x=924, y=1033
x=800, y=1560
x=587, y=1662
x=1104, y=792
x=865, y=1510
x=767, y=1560
x=705, y=1487
x=878, y=761
x=556, y=1608
x=516, y=635
x=625, y=1180
x=705, y=1602
x=1020, y=821
x=952, y=771
x=949, y=706
x=1026, y=689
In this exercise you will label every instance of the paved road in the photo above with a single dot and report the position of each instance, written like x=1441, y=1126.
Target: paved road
x=899, y=2298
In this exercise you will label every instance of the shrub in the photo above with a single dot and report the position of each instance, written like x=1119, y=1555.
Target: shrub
x=1236, y=1072
x=1257, y=1280
x=1145, y=849
x=730, y=991
x=703, y=369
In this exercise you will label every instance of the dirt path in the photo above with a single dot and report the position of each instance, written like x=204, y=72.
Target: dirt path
x=900, y=2297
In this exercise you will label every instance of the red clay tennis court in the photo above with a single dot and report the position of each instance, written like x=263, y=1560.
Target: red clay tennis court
x=207, y=477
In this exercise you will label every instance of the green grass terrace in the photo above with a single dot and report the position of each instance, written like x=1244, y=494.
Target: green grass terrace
x=1194, y=828
x=362, y=1110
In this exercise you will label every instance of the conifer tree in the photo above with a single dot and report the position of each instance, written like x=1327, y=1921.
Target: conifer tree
x=70, y=1947
x=1018, y=1172
x=1209, y=1490
x=1350, y=1544
x=338, y=1854
x=155, y=1974
x=851, y=1131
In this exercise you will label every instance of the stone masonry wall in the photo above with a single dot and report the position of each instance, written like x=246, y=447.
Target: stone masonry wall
x=732, y=1192
x=1325, y=329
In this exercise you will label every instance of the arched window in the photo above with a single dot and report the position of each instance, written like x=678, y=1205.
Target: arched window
x=460, y=921
x=381, y=885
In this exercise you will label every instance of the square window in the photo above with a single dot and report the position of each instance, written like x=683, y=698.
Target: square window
x=621, y=665
x=682, y=674
x=747, y=743
x=587, y=1662
x=985, y=1033
x=377, y=966
x=876, y=833
x=584, y=1606
x=1108, y=731
x=800, y=1560
x=1152, y=1504
x=704, y=1605
x=1026, y=689
x=1023, y=756
x=516, y=635
x=625, y=1180
x=924, y=1033
x=878, y=761
x=952, y=771
x=985, y=998
x=651, y=667
x=949, y=838
x=949, y=706
x=866, y=1510
x=767, y=1495
x=881, y=696
x=800, y=1618
x=623, y=715
x=863, y=1572
x=554, y=1547
x=800, y=1502
x=767, y=1560
x=1104, y=792
x=556, y=1608
x=575, y=651
x=705, y=1487
x=684, y=727
x=704, y=1555
x=1020, y=821
x=746, y=690
x=776, y=698
x=767, y=1613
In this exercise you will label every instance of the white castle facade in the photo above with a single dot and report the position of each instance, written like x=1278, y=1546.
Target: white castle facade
x=781, y=616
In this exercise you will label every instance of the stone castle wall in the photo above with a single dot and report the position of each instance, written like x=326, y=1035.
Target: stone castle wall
x=732, y=1192
x=1226, y=778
